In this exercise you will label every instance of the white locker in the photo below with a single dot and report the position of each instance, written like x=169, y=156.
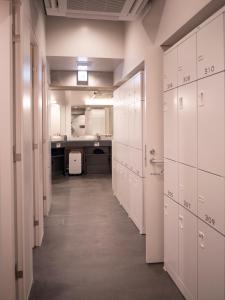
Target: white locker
x=138, y=86
x=187, y=124
x=136, y=201
x=131, y=116
x=211, y=204
x=210, y=47
x=211, y=263
x=211, y=131
x=171, y=237
x=137, y=129
x=188, y=245
x=188, y=187
x=170, y=69
x=125, y=187
x=170, y=124
x=171, y=179
x=135, y=158
x=187, y=66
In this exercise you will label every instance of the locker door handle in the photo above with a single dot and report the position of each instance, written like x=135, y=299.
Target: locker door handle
x=201, y=199
x=181, y=217
x=201, y=100
x=201, y=235
x=202, y=245
x=181, y=103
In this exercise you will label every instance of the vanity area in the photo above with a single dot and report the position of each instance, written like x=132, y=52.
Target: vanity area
x=96, y=156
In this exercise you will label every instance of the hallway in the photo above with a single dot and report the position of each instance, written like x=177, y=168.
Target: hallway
x=92, y=251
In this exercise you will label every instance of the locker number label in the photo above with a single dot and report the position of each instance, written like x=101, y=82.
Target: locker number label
x=187, y=204
x=210, y=220
x=186, y=78
x=209, y=70
x=170, y=194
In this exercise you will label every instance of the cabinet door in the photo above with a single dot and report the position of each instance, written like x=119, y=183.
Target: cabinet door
x=188, y=187
x=187, y=67
x=210, y=263
x=211, y=206
x=170, y=124
x=137, y=130
x=210, y=47
x=171, y=237
x=136, y=202
x=170, y=69
x=188, y=252
x=131, y=115
x=187, y=118
x=211, y=124
x=171, y=179
x=138, y=87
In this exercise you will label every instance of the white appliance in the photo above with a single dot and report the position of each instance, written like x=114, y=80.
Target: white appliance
x=75, y=163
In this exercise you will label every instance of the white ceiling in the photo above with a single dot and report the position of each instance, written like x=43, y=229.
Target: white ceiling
x=60, y=63
x=116, y=10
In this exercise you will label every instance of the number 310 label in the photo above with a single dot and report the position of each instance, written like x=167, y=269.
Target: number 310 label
x=209, y=70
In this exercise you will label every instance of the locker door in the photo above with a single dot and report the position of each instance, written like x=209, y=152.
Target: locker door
x=187, y=118
x=188, y=187
x=170, y=124
x=211, y=205
x=137, y=131
x=171, y=179
x=187, y=56
x=126, y=190
x=171, y=237
x=210, y=47
x=170, y=69
x=188, y=245
x=138, y=87
x=137, y=161
x=210, y=263
x=211, y=124
x=131, y=114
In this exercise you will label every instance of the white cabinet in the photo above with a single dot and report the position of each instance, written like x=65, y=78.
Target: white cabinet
x=171, y=179
x=136, y=201
x=187, y=70
x=211, y=203
x=170, y=69
x=171, y=237
x=188, y=187
x=211, y=131
x=210, y=47
x=170, y=124
x=211, y=263
x=137, y=128
x=187, y=118
x=135, y=158
x=188, y=253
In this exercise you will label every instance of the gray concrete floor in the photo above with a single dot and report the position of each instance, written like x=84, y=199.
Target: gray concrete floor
x=92, y=250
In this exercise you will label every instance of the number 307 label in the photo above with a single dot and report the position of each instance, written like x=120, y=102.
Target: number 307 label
x=210, y=220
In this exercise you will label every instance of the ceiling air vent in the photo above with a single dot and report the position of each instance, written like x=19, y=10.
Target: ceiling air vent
x=118, y=10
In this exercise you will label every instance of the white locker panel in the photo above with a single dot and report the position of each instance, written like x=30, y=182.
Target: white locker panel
x=136, y=201
x=171, y=237
x=170, y=124
x=170, y=69
x=187, y=56
x=138, y=87
x=188, y=187
x=187, y=124
x=135, y=158
x=131, y=111
x=210, y=47
x=211, y=263
x=188, y=245
x=171, y=179
x=211, y=204
x=211, y=124
x=126, y=198
x=137, y=128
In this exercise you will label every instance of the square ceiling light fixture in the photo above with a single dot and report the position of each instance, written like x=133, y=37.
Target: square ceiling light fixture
x=82, y=72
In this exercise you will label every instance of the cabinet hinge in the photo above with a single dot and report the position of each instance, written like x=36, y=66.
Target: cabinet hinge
x=18, y=273
x=36, y=223
x=16, y=156
x=44, y=198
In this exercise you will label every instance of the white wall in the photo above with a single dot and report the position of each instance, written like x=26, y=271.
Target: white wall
x=142, y=43
x=7, y=255
x=91, y=38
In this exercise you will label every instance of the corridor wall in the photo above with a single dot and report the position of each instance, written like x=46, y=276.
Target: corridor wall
x=194, y=160
x=127, y=168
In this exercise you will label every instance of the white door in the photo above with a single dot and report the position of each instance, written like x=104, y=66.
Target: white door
x=211, y=127
x=188, y=246
x=188, y=187
x=170, y=124
x=171, y=179
x=211, y=263
x=170, y=70
x=187, y=71
x=210, y=47
x=187, y=124
x=171, y=237
x=211, y=204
